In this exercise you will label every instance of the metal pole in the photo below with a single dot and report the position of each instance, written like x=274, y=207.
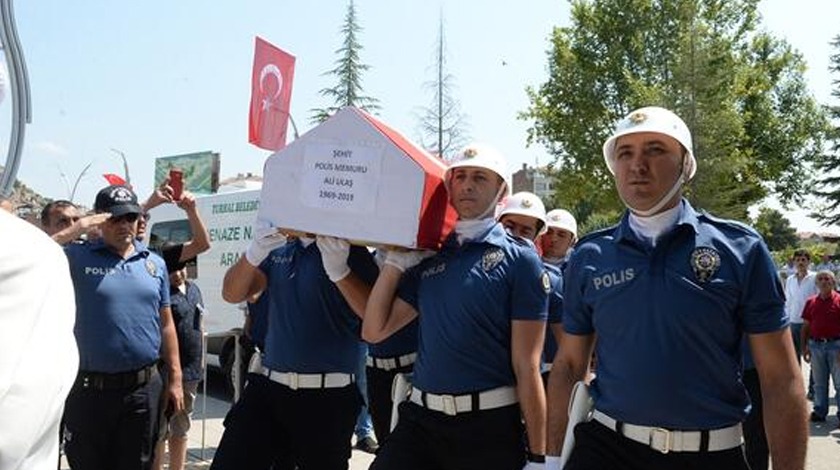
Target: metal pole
x=125, y=164
x=19, y=94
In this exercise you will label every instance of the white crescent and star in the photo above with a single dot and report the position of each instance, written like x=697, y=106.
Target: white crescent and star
x=270, y=69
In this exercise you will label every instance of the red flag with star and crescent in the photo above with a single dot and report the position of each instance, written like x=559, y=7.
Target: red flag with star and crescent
x=271, y=95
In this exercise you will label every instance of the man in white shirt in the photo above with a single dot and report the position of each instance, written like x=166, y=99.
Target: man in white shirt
x=38, y=354
x=798, y=287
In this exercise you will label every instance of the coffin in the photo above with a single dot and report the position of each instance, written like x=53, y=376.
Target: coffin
x=354, y=177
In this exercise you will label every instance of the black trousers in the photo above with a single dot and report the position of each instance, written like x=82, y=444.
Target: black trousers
x=274, y=424
x=112, y=429
x=755, y=439
x=380, y=403
x=429, y=440
x=599, y=448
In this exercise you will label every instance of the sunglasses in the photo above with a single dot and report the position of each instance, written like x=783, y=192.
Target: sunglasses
x=130, y=218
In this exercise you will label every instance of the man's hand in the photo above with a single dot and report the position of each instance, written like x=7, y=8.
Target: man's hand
x=404, y=260
x=266, y=239
x=334, y=253
x=187, y=201
x=162, y=194
x=175, y=396
x=806, y=353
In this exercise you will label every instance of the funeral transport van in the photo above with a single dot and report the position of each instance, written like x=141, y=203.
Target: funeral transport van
x=228, y=216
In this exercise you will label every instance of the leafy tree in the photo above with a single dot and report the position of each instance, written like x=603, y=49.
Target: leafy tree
x=755, y=127
x=442, y=125
x=776, y=229
x=828, y=184
x=348, y=69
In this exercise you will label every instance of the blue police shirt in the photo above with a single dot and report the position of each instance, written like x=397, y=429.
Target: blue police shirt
x=311, y=329
x=466, y=297
x=258, y=311
x=555, y=311
x=670, y=319
x=187, y=312
x=118, y=304
x=400, y=343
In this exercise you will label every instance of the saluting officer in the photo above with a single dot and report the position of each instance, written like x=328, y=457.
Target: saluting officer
x=123, y=325
x=481, y=304
x=670, y=292
x=523, y=215
x=300, y=408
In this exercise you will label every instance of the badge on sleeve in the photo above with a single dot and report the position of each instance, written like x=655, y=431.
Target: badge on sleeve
x=492, y=258
x=705, y=262
x=546, y=282
x=150, y=266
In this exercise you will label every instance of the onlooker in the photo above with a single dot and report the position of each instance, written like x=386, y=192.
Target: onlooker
x=187, y=313
x=38, y=354
x=123, y=328
x=799, y=287
x=63, y=222
x=821, y=340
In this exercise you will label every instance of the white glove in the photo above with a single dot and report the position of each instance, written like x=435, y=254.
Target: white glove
x=533, y=466
x=334, y=253
x=553, y=462
x=403, y=260
x=266, y=239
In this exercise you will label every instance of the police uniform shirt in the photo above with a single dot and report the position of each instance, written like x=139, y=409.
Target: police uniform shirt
x=555, y=311
x=311, y=329
x=258, y=311
x=670, y=319
x=466, y=297
x=398, y=344
x=118, y=304
x=187, y=314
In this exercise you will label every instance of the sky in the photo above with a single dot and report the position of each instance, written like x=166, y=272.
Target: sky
x=158, y=78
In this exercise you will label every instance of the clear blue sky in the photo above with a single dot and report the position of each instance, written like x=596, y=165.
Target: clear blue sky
x=158, y=78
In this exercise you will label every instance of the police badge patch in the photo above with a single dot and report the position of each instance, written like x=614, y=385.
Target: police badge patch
x=546, y=282
x=150, y=266
x=705, y=262
x=492, y=258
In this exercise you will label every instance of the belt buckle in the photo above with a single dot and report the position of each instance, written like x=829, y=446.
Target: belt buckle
x=449, y=407
x=294, y=381
x=665, y=439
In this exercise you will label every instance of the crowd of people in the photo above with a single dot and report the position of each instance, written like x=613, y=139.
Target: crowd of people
x=671, y=331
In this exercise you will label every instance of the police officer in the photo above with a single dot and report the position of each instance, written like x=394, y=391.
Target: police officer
x=481, y=304
x=557, y=245
x=523, y=215
x=669, y=293
x=304, y=403
x=123, y=326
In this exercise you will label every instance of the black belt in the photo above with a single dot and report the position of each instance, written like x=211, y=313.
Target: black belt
x=115, y=381
x=826, y=340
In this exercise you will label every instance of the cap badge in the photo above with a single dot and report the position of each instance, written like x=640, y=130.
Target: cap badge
x=638, y=117
x=526, y=203
x=705, y=262
x=121, y=195
x=470, y=153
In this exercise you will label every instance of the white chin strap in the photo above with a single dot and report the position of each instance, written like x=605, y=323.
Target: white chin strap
x=665, y=199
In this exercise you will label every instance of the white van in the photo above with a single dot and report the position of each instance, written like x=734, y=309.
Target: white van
x=229, y=217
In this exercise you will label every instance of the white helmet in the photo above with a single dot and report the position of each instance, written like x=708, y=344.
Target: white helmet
x=652, y=119
x=527, y=204
x=481, y=156
x=562, y=219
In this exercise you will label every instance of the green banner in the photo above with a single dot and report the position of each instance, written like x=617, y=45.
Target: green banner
x=201, y=171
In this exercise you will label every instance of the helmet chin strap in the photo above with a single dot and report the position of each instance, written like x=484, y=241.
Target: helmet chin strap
x=665, y=199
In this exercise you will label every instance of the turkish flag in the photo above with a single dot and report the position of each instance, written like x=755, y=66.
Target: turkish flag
x=271, y=93
x=113, y=179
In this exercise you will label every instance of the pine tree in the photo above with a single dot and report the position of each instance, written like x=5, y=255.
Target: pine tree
x=348, y=69
x=828, y=184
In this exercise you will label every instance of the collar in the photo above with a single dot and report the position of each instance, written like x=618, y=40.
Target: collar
x=495, y=236
x=687, y=217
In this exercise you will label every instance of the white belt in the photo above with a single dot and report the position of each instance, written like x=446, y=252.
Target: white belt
x=455, y=404
x=391, y=363
x=664, y=440
x=295, y=381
